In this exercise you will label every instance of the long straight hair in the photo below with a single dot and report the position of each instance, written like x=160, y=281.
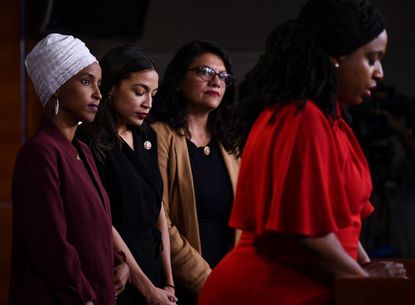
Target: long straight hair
x=117, y=65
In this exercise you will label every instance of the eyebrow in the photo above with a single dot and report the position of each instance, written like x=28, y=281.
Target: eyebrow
x=87, y=74
x=144, y=86
x=378, y=53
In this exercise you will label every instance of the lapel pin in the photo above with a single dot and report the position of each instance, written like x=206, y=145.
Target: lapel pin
x=147, y=145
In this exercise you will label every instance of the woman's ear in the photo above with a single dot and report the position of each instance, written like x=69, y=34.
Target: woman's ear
x=114, y=90
x=335, y=62
x=51, y=108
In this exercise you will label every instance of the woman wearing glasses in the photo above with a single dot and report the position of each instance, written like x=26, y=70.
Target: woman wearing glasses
x=193, y=111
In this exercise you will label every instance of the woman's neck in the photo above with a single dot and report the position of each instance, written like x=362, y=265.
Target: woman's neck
x=200, y=134
x=67, y=127
x=122, y=129
x=125, y=133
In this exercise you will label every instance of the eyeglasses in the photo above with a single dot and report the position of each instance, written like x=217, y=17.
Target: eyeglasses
x=207, y=73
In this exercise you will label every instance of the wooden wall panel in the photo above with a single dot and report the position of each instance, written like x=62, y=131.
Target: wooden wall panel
x=10, y=139
x=9, y=103
x=5, y=251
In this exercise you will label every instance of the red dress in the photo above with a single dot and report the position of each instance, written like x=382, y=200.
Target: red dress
x=301, y=174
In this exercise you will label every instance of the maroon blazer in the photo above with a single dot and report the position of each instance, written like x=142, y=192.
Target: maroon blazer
x=62, y=235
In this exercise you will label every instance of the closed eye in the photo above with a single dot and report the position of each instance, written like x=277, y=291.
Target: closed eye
x=373, y=57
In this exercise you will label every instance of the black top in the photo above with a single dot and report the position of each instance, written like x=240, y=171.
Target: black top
x=214, y=196
x=135, y=188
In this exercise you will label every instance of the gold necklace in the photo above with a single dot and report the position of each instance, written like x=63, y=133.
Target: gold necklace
x=206, y=148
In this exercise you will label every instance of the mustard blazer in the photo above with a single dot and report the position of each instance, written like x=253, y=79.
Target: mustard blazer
x=190, y=270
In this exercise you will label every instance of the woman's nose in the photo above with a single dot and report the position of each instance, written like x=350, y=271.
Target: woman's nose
x=216, y=81
x=378, y=73
x=97, y=93
x=148, y=103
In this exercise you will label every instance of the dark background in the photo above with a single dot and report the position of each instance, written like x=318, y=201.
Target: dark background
x=241, y=27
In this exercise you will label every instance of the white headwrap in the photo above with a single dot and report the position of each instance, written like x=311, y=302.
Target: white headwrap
x=53, y=61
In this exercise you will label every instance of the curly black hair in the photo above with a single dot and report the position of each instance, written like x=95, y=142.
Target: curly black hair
x=296, y=63
x=170, y=107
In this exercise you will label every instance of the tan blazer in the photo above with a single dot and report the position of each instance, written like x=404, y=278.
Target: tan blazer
x=190, y=270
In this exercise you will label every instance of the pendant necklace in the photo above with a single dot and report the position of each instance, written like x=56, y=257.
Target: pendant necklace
x=206, y=150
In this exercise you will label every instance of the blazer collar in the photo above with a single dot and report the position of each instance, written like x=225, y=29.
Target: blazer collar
x=49, y=128
x=70, y=148
x=145, y=162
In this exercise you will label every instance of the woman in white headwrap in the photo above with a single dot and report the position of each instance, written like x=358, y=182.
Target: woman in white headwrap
x=62, y=233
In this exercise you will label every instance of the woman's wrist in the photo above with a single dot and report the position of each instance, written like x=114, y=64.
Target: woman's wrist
x=170, y=286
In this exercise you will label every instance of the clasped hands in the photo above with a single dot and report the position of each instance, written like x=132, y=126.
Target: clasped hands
x=385, y=269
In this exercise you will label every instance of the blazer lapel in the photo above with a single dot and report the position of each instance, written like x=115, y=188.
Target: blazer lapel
x=143, y=162
x=72, y=149
x=93, y=174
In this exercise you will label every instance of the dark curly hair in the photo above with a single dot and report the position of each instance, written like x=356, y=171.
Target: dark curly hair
x=170, y=107
x=117, y=65
x=296, y=64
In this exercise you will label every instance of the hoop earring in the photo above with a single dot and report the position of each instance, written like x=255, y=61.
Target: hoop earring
x=56, y=106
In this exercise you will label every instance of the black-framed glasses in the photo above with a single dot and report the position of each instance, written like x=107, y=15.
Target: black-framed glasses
x=207, y=73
